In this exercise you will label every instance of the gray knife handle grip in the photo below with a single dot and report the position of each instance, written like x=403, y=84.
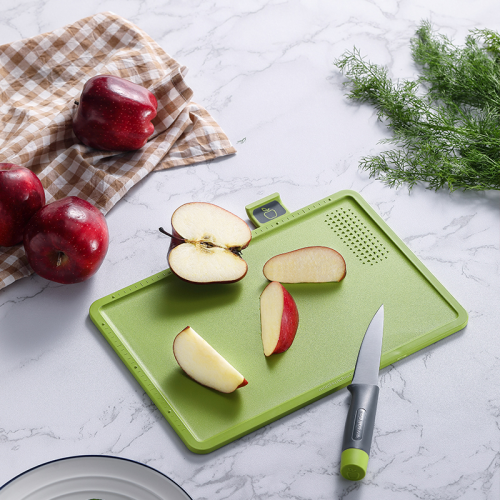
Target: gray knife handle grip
x=360, y=420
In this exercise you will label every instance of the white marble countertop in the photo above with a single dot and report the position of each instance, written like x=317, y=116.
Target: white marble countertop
x=264, y=69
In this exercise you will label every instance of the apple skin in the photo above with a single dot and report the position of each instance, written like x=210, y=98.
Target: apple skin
x=114, y=114
x=243, y=384
x=289, y=323
x=21, y=196
x=276, y=298
x=66, y=241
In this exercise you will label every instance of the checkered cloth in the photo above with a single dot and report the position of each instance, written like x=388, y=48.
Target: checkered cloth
x=40, y=79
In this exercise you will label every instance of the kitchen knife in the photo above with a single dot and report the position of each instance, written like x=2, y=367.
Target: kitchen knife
x=364, y=388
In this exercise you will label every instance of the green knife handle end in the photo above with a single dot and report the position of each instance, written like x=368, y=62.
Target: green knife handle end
x=353, y=464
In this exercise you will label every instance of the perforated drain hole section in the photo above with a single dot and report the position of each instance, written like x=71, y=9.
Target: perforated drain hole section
x=357, y=236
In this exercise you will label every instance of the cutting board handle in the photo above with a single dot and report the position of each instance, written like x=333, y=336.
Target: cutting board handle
x=265, y=210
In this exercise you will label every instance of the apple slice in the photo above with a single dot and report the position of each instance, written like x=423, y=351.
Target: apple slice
x=204, y=364
x=279, y=318
x=306, y=265
x=206, y=242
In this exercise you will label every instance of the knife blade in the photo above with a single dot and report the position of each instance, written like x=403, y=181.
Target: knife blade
x=358, y=431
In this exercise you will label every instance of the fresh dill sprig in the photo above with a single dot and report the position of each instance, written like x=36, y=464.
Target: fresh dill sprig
x=446, y=123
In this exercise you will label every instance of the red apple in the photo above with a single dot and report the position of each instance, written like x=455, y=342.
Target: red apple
x=114, y=114
x=306, y=265
x=206, y=241
x=279, y=318
x=204, y=364
x=21, y=196
x=66, y=241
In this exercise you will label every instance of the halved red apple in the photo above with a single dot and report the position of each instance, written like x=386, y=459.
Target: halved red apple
x=204, y=364
x=279, y=318
x=306, y=265
x=206, y=241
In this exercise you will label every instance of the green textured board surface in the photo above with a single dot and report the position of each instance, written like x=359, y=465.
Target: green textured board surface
x=141, y=321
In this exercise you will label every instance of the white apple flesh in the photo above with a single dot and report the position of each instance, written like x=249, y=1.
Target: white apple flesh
x=204, y=364
x=279, y=318
x=306, y=265
x=206, y=241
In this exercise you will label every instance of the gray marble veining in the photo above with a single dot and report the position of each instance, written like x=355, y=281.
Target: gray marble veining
x=265, y=70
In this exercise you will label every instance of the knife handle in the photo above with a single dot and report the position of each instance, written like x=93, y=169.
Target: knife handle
x=358, y=431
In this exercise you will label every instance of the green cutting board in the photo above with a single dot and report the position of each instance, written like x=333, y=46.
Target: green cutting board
x=141, y=320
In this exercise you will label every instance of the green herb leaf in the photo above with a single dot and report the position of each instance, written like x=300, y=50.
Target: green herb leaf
x=446, y=123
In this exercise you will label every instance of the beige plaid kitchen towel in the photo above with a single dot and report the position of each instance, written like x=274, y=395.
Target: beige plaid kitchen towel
x=40, y=79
